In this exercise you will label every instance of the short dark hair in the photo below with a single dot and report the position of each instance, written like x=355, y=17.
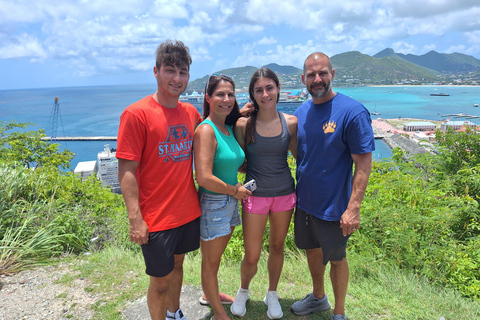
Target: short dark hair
x=321, y=54
x=173, y=53
x=211, y=86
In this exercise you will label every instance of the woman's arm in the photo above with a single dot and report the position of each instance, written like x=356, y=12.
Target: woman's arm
x=239, y=132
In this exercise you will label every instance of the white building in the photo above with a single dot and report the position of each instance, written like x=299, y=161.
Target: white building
x=456, y=125
x=419, y=126
x=86, y=168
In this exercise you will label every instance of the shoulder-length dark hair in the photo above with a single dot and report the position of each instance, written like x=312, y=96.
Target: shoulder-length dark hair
x=263, y=72
x=210, y=87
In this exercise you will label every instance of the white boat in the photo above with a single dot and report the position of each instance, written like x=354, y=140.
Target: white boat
x=108, y=169
x=194, y=97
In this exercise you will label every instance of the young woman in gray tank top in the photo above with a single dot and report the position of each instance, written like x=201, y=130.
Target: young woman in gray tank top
x=266, y=136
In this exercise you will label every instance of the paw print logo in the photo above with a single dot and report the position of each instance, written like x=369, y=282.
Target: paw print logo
x=329, y=127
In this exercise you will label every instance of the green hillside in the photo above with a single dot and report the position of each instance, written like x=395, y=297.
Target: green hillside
x=354, y=67
x=385, y=67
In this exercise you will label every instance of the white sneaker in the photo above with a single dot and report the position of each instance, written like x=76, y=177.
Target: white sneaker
x=238, y=306
x=178, y=315
x=274, y=308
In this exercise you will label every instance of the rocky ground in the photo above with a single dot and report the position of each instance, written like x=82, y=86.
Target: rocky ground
x=35, y=294
x=38, y=294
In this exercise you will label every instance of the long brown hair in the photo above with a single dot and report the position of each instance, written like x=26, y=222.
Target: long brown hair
x=263, y=72
x=211, y=86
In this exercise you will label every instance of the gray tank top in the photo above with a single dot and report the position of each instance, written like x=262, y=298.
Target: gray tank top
x=267, y=164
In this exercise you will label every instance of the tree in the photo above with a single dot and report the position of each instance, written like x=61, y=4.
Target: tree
x=19, y=146
x=459, y=150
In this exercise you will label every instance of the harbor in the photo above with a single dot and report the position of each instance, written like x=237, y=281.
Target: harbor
x=89, y=116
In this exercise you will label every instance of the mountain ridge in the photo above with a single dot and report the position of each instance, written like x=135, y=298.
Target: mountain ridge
x=355, y=68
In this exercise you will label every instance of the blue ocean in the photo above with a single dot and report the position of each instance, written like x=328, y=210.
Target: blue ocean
x=95, y=111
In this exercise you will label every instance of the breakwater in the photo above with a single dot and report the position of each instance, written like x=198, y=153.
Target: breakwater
x=102, y=138
x=406, y=144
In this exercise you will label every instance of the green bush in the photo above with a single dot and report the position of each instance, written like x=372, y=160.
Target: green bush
x=420, y=212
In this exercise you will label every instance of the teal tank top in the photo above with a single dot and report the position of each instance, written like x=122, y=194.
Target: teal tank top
x=229, y=156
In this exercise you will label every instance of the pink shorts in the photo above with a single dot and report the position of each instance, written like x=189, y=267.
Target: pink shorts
x=264, y=205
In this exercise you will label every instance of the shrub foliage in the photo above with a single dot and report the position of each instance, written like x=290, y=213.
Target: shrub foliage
x=420, y=212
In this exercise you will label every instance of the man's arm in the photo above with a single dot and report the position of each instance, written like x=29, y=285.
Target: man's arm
x=292, y=123
x=128, y=183
x=350, y=220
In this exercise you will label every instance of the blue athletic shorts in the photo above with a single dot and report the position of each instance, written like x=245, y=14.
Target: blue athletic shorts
x=219, y=214
x=312, y=232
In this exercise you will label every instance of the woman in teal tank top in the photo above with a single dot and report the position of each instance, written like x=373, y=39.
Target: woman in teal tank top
x=217, y=157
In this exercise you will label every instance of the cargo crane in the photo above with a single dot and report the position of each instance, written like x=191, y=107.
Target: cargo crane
x=54, y=120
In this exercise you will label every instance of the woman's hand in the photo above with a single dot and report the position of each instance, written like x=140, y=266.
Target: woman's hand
x=242, y=192
x=247, y=109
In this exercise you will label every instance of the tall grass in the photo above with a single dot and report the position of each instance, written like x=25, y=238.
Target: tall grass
x=27, y=246
x=44, y=213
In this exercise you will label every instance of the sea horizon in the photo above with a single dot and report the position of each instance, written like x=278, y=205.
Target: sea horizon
x=95, y=110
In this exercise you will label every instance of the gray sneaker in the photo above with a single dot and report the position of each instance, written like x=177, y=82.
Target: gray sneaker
x=339, y=317
x=310, y=304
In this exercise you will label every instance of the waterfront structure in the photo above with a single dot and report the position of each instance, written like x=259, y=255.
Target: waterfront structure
x=108, y=169
x=86, y=168
x=194, y=98
x=105, y=168
x=420, y=126
x=456, y=125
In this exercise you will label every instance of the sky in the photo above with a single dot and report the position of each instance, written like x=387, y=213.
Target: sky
x=63, y=43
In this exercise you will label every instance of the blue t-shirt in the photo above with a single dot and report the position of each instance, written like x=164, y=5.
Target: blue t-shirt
x=328, y=134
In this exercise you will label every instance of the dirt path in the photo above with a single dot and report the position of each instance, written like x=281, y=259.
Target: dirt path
x=34, y=294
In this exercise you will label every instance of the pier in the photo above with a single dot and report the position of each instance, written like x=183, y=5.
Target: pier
x=378, y=135
x=100, y=138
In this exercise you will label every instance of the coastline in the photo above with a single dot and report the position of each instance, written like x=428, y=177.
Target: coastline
x=421, y=85
x=394, y=135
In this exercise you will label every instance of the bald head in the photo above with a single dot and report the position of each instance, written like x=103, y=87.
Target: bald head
x=316, y=56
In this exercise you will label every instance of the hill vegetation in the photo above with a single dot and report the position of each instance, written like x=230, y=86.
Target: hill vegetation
x=421, y=215
x=384, y=68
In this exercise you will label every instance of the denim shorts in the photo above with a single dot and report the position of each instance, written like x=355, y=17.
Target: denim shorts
x=219, y=214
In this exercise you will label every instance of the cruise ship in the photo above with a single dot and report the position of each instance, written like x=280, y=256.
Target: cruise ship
x=193, y=98
x=108, y=168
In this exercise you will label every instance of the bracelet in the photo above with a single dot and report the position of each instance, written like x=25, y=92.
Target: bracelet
x=236, y=190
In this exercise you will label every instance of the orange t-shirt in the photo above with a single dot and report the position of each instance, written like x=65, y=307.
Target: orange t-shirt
x=161, y=139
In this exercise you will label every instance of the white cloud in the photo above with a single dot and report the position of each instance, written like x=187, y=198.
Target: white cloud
x=457, y=48
x=473, y=37
x=171, y=9
x=404, y=47
x=96, y=36
x=22, y=46
x=265, y=40
x=428, y=48
x=283, y=55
